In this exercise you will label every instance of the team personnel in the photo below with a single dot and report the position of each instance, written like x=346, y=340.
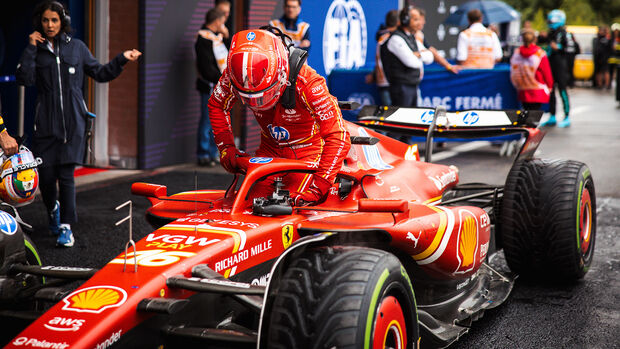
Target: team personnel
x=615, y=58
x=403, y=60
x=557, y=43
x=298, y=117
x=478, y=47
x=56, y=63
x=530, y=72
x=291, y=25
x=224, y=6
x=378, y=75
x=211, y=56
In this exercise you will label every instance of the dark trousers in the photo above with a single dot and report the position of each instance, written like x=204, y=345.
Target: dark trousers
x=65, y=194
x=618, y=82
x=532, y=106
x=559, y=70
x=206, y=148
x=564, y=95
x=404, y=95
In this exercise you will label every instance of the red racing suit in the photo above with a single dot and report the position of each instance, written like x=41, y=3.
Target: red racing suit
x=314, y=131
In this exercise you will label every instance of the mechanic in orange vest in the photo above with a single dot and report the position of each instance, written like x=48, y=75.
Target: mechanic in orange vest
x=298, y=117
x=291, y=25
x=530, y=72
x=478, y=47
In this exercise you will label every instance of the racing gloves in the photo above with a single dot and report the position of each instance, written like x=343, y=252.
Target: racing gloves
x=228, y=158
x=317, y=189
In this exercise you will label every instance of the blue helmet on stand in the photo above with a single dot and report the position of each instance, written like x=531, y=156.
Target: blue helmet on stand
x=556, y=19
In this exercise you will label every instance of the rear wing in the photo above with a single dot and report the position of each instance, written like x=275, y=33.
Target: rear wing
x=468, y=124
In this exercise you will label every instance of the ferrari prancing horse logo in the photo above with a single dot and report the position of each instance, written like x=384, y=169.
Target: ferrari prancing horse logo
x=287, y=235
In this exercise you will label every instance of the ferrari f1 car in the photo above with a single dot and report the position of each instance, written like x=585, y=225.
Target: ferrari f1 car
x=398, y=255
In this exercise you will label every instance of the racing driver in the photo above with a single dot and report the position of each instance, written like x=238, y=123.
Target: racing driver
x=298, y=117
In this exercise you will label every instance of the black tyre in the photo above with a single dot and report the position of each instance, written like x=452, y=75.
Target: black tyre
x=549, y=219
x=343, y=298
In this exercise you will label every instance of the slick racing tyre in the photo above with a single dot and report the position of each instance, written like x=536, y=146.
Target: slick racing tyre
x=343, y=298
x=549, y=219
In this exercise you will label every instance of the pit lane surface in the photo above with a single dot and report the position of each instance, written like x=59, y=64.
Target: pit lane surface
x=581, y=315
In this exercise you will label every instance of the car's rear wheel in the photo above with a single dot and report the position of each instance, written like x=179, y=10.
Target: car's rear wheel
x=549, y=219
x=343, y=298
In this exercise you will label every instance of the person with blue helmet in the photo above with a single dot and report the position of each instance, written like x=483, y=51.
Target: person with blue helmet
x=559, y=46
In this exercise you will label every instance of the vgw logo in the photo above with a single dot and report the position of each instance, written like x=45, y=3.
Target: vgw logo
x=344, y=36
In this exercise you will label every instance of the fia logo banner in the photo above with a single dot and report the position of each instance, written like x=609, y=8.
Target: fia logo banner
x=344, y=36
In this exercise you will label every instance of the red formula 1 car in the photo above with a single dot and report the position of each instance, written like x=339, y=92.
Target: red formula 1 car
x=398, y=255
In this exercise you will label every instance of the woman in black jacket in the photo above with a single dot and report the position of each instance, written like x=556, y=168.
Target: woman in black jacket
x=56, y=64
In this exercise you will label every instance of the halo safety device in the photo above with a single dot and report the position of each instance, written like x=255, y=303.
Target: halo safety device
x=258, y=68
x=556, y=19
x=19, y=177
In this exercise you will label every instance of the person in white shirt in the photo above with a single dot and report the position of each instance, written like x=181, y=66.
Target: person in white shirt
x=478, y=47
x=403, y=59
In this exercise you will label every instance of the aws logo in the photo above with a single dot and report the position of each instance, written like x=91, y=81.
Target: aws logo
x=344, y=36
x=64, y=324
x=279, y=133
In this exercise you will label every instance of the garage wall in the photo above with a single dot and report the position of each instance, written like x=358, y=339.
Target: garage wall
x=169, y=105
x=123, y=91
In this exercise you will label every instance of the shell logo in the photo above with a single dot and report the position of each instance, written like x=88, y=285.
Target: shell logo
x=467, y=242
x=95, y=299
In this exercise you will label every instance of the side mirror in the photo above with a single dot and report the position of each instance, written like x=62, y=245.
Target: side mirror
x=273, y=210
x=149, y=190
x=369, y=205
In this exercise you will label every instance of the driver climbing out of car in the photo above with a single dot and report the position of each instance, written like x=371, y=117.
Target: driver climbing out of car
x=298, y=117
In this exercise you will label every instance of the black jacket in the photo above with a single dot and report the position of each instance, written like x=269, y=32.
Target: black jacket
x=208, y=71
x=60, y=122
x=395, y=71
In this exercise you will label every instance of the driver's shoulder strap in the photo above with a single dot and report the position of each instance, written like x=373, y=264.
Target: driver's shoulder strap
x=296, y=59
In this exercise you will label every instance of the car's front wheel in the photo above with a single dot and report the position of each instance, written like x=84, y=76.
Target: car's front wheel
x=343, y=298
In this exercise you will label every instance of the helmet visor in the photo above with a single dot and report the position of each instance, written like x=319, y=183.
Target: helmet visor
x=263, y=99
